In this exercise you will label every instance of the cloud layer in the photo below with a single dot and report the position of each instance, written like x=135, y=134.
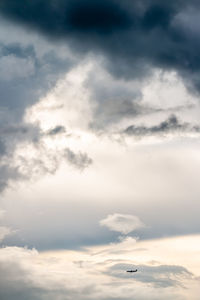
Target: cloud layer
x=64, y=275
x=156, y=33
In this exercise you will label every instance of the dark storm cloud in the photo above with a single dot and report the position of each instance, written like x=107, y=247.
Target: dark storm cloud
x=171, y=125
x=134, y=35
x=62, y=17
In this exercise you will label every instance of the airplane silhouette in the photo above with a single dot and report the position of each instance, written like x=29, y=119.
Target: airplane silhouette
x=131, y=271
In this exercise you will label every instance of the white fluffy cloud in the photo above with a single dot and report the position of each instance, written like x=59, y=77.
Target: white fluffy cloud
x=122, y=223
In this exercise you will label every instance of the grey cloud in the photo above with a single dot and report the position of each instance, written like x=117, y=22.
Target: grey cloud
x=48, y=161
x=19, y=280
x=171, y=125
x=160, y=276
x=2, y=148
x=16, y=50
x=80, y=160
x=12, y=133
x=113, y=110
x=7, y=174
x=114, y=99
x=16, y=283
x=11, y=136
x=29, y=68
x=135, y=36
x=56, y=130
x=17, y=167
x=25, y=76
x=13, y=68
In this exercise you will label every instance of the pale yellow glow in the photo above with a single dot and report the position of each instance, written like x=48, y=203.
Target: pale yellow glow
x=182, y=250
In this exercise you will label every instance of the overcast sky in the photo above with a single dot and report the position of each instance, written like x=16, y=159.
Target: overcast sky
x=99, y=147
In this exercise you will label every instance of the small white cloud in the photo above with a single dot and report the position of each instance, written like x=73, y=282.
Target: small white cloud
x=122, y=223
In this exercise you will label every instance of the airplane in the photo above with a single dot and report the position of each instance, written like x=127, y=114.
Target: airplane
x=131, y=271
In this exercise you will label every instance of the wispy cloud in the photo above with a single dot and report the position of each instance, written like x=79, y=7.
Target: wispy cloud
x=170, y=126
x=160, y=276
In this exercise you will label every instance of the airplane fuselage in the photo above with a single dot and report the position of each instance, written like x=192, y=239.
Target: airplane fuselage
x=132, y=271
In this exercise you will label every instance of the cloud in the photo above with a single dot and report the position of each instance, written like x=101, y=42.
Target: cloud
x=56, y=130
x=16, y=283
x=171, y=125
x=13, y=68
x=2, y=213
x=113, y=99
x=43, y=160
x=12, y=136
x=77, y=17
x=29, y=68
x=26, y=74
x=28, y=274
x=8, y=174
x=135, y=36
x=160, y=276
x=122, y=223
x=4, y=231
x=80, y=160
x=124, y=246
x=25, y=153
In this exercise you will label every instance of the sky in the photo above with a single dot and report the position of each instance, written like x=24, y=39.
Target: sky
x=99, y=148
